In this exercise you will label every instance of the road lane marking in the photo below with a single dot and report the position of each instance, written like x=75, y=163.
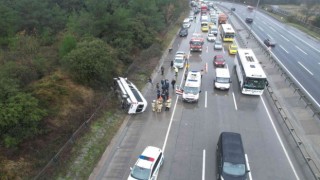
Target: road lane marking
x=305, y=68
x=279, y=139
x=203, y=164
x=284, y=49
x=234, y=100
x=247, y=161
x=207, y=50
x=205, y=100
x=292, y=34
x=301, y=50
x=284, y=38
x=272, y=29
x=269, y=36
x=260, y=28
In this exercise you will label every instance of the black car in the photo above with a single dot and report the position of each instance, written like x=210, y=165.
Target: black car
x=183, y=32
x=270, y=42
x=233, y=9
x=249, y=20
x=231, y=161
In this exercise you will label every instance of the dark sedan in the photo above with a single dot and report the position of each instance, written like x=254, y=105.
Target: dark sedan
x=249, y=20
x=270, y=42
x=183, y=32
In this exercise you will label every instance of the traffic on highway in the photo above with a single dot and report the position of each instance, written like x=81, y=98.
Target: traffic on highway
x=221, y=124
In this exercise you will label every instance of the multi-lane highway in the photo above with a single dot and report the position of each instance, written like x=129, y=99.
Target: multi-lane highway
x=188, y=133
x=299, y=53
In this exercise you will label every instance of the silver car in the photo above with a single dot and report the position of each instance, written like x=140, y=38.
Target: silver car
x=217, y=45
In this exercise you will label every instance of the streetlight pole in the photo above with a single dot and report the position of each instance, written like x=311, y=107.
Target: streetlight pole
x=254, y=15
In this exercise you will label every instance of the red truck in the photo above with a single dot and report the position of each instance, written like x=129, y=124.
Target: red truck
x=196, y=42
x=222, y=18
x=204, y=8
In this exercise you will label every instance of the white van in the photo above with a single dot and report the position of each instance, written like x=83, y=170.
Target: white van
x=191, y=90
x=186, y=23
x=222, y=80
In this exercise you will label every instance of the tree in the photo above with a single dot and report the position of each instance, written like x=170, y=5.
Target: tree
x=92, y=63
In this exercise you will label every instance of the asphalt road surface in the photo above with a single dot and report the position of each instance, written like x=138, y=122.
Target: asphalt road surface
x=296, y=50
x=188, y=133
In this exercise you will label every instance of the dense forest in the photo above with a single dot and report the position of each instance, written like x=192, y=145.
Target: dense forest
x=56, y=57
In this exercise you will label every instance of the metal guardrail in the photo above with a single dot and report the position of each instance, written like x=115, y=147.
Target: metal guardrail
x=308, y=99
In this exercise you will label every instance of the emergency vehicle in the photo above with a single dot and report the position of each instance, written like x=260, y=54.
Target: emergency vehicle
x=196, y=42
x=192, y=87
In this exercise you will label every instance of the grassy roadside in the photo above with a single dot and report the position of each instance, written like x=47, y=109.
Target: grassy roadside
x=88, y=149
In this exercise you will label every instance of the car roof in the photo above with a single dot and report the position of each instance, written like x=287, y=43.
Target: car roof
x=180, y=52
x=232, y=147
x=148, y=157
x=218, y=56
x=179, y=56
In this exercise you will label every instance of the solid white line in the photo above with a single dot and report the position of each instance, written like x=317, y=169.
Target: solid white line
x=279, y=139
x=203, y=164
x=273, y=29
x=235, y=102
x=284, y=49
x=291, y=33
x=305, y=68
x=284, y=38
x=301, y=50
x=207, y=49
x=260, y=28
x=169, y=127
x=205, y=100
x=247, y=161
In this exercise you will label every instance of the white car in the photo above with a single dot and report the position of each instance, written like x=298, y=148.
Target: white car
x=179, y=61
x=211, y=37
x=148, y=164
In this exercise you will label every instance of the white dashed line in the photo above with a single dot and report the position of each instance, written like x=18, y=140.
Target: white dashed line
x=260, y=28
x=272, y=29
x=305, y=68
x=284, y=49
x=284, y=38
x=301, y=50
x=235, y=102
x=204, y=165
x=205, y=100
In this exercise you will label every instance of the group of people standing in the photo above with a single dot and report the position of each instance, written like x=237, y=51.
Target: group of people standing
x=163, y=97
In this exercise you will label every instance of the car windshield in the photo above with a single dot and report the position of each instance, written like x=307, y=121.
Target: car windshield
x=140, y=173
x=223, y=80
x=178, y=60
x=196, y=43
x=210, y=35
x=191, y=90
x=218, y=43
x=233, y=47
x=234, y=169
x=254, y=83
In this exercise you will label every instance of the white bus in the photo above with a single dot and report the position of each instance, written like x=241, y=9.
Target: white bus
x=191, y=89
x=227, y=32
x=251, y=76
x=129, y=95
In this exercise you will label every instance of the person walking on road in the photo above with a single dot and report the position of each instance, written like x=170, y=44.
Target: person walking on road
x=162, y=70
x=176, y=71
x=173, y=82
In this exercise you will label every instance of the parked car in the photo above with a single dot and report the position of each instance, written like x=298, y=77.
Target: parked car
x=270, y=42
x=219, y=61
x=211, y=37
x=249, y=20
x=183, y=32
x=217, y=45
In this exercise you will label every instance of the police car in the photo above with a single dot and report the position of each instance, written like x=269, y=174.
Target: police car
x=147, y=165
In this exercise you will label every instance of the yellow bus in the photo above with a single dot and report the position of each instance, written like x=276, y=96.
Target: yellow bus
x=227, y=33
